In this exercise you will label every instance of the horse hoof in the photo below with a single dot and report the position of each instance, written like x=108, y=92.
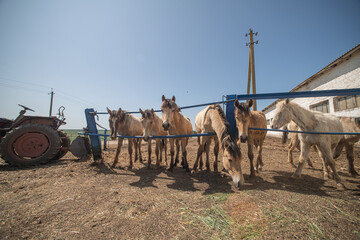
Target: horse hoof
x=295, y=176
x=340, y=186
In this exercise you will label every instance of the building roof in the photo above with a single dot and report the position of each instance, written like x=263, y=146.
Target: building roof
x=344, y=57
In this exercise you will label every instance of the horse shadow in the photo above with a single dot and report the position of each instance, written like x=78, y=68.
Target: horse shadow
x=282, y=180
x=146, y=177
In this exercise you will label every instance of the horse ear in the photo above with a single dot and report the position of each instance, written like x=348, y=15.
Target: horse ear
x=152, y=111
x=163, y=98
x=236, y=103
x=250, y=103
x=287, y=100
x=108, y=110
x=141, y=111
x=119, y=112
x=173, y=98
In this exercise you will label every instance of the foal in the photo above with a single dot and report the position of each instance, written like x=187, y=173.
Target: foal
x=122, y=123
x=212, y=119
x=311, y=121
x=294, y=142
x=176, y=124
x=152, y=124
x=203, y=124
x=246, y=118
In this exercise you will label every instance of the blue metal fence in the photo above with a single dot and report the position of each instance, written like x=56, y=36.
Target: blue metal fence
x=95, y=140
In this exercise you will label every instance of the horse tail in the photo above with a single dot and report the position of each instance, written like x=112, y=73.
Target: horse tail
x=284, y=135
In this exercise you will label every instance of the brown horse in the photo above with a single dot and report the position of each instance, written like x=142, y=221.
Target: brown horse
x=246, y=118
x=152, y=124
x=350, y=125
x=122, y=123
x=176, y=124
x=287, y=111
x=212, y=119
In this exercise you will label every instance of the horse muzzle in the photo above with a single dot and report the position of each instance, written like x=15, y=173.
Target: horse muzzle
x=146, y=138
x=166, y=126
x=243, y=138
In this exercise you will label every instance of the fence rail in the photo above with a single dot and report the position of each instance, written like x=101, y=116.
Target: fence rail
x=95, y=137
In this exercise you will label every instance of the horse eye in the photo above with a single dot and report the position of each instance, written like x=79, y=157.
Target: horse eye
x=229, y=160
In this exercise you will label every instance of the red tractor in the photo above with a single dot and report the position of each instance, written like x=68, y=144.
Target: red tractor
x=30, y=140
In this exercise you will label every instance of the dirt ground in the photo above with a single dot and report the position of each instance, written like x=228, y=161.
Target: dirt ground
x=71, y=199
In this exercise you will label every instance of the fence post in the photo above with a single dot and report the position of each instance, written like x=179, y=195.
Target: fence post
x=230, y=115
x=95, y=140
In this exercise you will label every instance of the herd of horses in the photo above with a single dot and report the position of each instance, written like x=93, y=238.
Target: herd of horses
x=212, y=120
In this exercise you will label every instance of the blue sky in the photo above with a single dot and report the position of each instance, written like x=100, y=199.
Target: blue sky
x=128, y=53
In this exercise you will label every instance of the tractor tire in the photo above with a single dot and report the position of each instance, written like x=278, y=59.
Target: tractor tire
x=29, y=145
x=65, y=143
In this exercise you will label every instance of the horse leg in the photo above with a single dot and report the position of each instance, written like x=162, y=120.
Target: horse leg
x=199, y=154
x=139, y=147
x=326, y=154
x=327, y=174
x=184, y=154
x=304, y=155
x=350, y=157
x=172, y=152
x=120, y=141
x=259, y=162
x=135, y=144
x=207, y=150
x=251, y=157
x=338, y=148
x=157, y=151
x=216, y=153
x=130, y=151
x=293, y=144
x=177, y=151
x=149, y=153
x=164, y=141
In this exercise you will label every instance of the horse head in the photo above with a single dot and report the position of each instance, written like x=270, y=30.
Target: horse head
x=168, y=109
x=232, y=160
x=242, y=116
x=115, y=118
x=282, y=115
x=147, y=120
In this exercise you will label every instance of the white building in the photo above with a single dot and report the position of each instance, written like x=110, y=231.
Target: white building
x=343, y=73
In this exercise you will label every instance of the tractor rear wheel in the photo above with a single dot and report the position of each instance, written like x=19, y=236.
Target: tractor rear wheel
x=30, y=144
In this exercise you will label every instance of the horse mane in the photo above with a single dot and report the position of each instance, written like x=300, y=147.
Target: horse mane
x=226, y=139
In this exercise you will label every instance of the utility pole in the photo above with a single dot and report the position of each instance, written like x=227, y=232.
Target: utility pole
x=51, y=101
x=251, y=72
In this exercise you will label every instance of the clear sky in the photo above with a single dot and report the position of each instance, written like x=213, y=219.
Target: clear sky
x=128, y=53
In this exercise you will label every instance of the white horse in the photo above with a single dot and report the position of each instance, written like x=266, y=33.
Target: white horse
x=314, y=122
